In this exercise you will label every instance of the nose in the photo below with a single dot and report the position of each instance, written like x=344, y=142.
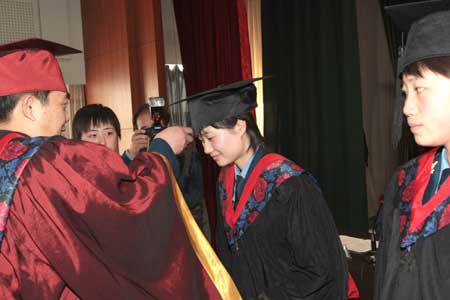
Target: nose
x=410, y=105
x=101, y=139
x=207, y=147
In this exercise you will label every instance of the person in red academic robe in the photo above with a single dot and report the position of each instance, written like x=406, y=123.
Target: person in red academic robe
x=75, y=221
x=275, y=233
x=413, y=261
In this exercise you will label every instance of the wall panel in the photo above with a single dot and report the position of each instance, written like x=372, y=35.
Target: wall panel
x=124, y=56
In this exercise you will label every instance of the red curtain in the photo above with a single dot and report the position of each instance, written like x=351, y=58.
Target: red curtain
x=215, y=50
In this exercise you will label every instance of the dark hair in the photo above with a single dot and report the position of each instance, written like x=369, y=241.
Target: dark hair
x=439, y=65
x=165, y=115
x=94, y=114
x=256, y=139
x=9, y=102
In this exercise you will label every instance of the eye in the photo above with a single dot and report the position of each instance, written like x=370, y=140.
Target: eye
x=92, y=136
x=419, y=89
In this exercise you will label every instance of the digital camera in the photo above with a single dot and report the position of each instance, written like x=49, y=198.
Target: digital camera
x=156, y=106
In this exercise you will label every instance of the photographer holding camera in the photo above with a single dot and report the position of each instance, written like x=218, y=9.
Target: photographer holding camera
x=147, y=122
x=145, y=126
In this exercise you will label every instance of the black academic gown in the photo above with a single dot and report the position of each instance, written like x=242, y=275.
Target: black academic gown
x=291, y=251
x=423, y=272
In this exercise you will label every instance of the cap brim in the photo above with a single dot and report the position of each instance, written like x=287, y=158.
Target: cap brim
x=223, y=88
x=35, y=43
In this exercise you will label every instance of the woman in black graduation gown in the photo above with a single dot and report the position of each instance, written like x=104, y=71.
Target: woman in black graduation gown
x=413, y=261
x=276, y=235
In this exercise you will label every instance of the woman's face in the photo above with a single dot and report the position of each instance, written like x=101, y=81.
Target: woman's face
x=104, y=134
x=225, y=146
x=427, y=108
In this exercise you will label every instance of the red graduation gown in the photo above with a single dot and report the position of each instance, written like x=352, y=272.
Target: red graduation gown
x=82, y=223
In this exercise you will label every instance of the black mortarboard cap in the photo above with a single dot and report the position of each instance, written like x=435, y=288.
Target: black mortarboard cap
x=221, y=103
x=428, y=23
x=405, y=14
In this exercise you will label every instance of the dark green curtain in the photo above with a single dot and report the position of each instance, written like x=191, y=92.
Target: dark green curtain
x=313, y=110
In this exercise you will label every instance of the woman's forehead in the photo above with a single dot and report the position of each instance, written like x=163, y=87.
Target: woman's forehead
x=207, y=129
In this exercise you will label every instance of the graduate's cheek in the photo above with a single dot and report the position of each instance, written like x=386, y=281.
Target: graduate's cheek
x=207, y=148
x=220, y=149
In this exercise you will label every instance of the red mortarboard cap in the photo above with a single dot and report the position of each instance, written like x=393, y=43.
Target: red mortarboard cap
x=30, y=65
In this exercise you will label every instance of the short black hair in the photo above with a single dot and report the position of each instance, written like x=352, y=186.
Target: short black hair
x=94, y=114
x=9, y=102
x=439, y=65
x=165, y=115
x=136, y=115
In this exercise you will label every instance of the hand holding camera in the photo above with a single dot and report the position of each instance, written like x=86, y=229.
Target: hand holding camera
x=139, y=141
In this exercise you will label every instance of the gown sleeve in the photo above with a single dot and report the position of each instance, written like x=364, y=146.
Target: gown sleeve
x=317, y=249
x=319, y=260
x=221, y=243
x=388, y=237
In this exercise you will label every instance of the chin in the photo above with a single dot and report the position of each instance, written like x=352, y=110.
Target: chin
x=423, y=142
x=222, y=163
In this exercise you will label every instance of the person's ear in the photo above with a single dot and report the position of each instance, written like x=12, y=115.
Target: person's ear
x=31, y=107
x=240, y=127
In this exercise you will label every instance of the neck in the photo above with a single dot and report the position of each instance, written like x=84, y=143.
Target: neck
x=243, y=160
x=17, y=127
x=9, y=127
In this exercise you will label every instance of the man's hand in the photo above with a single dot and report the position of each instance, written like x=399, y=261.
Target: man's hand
x=177, y=137
x=139, y=140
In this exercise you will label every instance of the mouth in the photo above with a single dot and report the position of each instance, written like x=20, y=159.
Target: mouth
x=415, y=127
x=215, y=157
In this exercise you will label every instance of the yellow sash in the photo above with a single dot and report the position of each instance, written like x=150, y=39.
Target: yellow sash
x=205, y=253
